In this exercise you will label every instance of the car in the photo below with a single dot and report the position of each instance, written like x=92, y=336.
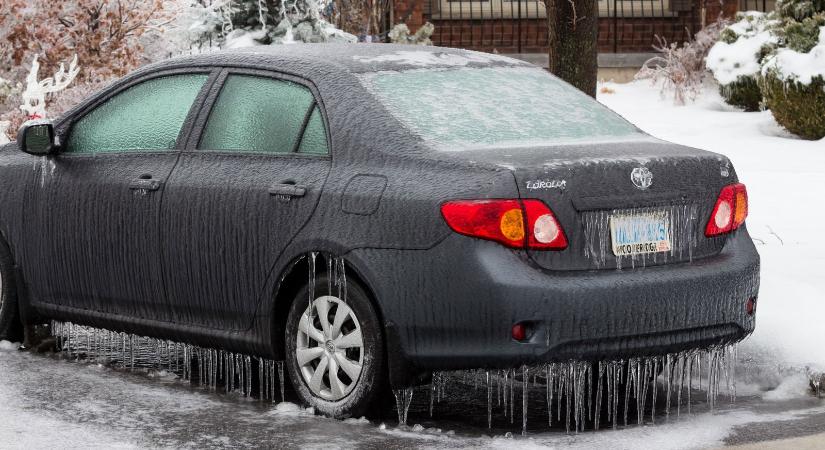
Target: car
x=370, y=214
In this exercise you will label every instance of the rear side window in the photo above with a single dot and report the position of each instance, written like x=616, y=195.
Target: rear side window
x=264, y=115
x=144, y=117
x=315, y=135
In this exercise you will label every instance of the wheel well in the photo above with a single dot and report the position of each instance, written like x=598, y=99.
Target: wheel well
x=296, y=277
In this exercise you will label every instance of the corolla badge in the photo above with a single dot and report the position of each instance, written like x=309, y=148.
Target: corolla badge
x=641, y=177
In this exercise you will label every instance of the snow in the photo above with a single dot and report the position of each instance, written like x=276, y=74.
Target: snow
x=791, y=65
x=792, y=387
x=242, y=38
x=784, y=179
x=741, y=58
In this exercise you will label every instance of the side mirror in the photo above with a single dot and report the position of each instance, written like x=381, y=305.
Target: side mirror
x=37, y=138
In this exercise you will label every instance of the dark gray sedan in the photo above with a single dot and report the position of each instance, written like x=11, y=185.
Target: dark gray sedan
x=371, y=213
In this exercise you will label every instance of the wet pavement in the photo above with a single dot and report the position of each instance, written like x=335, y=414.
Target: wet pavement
x=50, y=401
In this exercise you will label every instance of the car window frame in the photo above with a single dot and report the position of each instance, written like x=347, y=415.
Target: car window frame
x=199, y=125
x=66, y=124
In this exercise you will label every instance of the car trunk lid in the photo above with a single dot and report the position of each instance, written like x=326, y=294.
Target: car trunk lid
x=646, y=181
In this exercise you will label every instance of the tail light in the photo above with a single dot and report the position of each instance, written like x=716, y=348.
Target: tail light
x=730, y=211
x=514, y=223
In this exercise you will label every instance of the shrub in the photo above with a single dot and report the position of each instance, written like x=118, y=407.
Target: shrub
x=735, y=60
x=681, y=69
x=793, y=82
x=743, y=93
x=796, y=106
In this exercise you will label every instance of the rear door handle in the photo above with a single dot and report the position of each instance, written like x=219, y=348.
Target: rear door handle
x=145, y=183
x=288, y=190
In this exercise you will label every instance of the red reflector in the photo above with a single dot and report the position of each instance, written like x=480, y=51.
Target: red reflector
x=750, y=306
x=519, y=332
x=514, y=223
x=730, y=210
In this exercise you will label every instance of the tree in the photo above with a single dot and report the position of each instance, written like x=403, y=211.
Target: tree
x=572, y=31
x=104, y=34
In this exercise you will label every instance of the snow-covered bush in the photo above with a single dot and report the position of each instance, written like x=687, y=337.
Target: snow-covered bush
x=680, y=70
x=400, y=34
x=794, y=85
x=265, y=22
x=736, y=59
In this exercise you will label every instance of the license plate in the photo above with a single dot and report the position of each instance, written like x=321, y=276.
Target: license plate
x=640, y=233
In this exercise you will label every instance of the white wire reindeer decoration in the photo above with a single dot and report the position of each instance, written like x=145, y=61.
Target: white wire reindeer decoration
x=34, y=97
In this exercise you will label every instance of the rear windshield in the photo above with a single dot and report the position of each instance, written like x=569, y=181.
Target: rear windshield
x=458, y=109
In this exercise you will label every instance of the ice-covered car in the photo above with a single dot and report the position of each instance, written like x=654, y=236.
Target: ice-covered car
x=369, y=214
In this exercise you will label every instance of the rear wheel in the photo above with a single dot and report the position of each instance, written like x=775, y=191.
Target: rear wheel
x=334, y=350
x=10, y=327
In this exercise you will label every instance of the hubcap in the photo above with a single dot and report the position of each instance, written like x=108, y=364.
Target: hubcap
x=329, y=348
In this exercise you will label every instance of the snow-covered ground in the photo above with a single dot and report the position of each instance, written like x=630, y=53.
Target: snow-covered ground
x=785, y=177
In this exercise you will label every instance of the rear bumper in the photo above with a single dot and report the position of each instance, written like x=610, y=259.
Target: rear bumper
x=453, y=306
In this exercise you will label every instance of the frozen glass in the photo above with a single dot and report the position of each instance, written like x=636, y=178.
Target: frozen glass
x=147, y=116
x=255, y=114
x=471, y=108
x=315, y=135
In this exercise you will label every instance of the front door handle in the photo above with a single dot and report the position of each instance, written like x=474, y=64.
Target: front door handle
x=287, y=190
x=145, y=183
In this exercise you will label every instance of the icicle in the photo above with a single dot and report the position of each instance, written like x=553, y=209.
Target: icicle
x=489, y=402
x=512, y=394
x=281, y=378
x=598, y=410
x=330, y=274
x=311, y=286
x=548, y=372
x=403, y=398
x=524, y=397
x=261, y=384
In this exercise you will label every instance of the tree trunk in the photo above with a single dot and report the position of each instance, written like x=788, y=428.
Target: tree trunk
x=572, y=31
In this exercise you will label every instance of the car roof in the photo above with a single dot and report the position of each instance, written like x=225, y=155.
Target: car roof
x=305, y=59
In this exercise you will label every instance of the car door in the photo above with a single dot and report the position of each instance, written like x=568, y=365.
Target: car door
x=94, y=207
x=241, y=191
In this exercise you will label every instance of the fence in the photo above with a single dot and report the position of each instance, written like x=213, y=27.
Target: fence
x=520, y=26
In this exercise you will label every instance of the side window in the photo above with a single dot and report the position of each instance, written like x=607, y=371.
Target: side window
x=314, y=140
x=263, y=115
x=147, y=116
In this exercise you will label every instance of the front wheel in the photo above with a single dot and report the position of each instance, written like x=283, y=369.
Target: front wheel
x=335, y=351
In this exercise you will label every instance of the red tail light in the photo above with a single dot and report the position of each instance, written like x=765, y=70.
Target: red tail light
x=730, y=211
x=514, y=223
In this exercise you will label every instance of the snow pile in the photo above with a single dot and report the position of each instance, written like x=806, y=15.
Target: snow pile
x=6, y=346
x=790, y=65
x=738, y=53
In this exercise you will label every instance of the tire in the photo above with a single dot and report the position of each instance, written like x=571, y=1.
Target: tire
x=355, y=391
x=11, y=329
